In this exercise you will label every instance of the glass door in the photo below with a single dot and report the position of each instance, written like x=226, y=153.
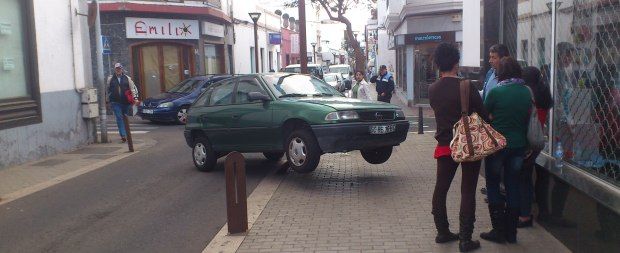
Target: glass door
x=150, y=71
x=161, y=66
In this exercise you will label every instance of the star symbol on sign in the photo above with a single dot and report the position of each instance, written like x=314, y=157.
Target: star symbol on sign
x=185, y=29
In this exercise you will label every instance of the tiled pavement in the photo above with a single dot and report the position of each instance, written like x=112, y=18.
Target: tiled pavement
x=348, y=205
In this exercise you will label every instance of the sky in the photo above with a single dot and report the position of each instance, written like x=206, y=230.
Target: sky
x=333, y=32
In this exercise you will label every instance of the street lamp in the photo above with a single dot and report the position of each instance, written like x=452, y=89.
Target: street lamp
x=255, y=16
x=313, y=52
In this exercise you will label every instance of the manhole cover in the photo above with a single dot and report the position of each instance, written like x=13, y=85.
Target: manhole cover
x=50, y=162
x=95, y=150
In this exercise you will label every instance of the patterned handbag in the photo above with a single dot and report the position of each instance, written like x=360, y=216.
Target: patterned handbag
x=473, y=139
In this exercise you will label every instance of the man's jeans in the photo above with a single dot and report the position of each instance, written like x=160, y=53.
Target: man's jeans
x=119, y=111
x=510, y=161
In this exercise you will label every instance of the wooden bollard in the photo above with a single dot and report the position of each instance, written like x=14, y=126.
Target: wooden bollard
x=128, y=131
x=236, y=201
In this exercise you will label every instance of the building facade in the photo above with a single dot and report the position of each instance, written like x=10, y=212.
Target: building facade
x=269, y=39
x=576, y=45
x=161, y=43
x=44, y=68
x=415, y=28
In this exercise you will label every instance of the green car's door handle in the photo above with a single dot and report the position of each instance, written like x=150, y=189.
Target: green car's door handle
x=236, y=116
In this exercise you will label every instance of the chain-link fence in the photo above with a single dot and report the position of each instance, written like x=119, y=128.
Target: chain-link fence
x=585, y=80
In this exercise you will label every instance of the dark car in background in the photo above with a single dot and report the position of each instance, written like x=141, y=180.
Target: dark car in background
x=172, y=105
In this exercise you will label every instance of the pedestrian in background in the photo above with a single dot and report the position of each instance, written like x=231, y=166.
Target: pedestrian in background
x=543, y=101
x=496, y=53
x=445, y=100
x=360, y=88
x=119, y=86
x=385, y=84
x=509, y=107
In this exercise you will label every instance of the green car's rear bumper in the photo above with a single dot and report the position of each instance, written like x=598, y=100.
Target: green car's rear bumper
x=355, y=136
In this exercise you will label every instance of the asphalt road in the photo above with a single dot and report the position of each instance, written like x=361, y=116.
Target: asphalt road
x=154, y=201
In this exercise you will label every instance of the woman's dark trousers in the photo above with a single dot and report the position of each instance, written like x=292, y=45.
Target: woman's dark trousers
x=446, y=169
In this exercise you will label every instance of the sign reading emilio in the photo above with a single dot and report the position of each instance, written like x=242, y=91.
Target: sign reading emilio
x=154, y=28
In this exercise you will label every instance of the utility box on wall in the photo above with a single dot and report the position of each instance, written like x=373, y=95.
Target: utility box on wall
x=90, y=108
x=89, y=95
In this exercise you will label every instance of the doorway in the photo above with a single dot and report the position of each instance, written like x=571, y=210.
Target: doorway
x=160, y=66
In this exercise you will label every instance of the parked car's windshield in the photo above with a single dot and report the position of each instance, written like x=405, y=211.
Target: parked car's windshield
x=343, y=70
x=330, y=78
x=300, y=86
x=312, y=70
x=186, y=86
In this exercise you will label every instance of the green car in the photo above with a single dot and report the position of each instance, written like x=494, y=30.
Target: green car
x=293, y=114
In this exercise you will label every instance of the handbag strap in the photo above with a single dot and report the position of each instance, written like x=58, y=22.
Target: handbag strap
x=464, y=91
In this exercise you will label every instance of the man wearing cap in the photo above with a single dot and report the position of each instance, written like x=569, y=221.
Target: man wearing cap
x=120, y=86
x=385, y=84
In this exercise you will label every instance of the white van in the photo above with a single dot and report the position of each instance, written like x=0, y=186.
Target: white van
x=343, y=69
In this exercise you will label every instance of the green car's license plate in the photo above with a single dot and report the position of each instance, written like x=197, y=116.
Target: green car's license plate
x=382, y=129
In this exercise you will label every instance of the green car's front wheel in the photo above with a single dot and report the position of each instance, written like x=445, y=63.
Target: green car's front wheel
x=377, y=155
x=302, y=151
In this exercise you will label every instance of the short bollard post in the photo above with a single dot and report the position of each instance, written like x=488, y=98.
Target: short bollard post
x=236, y=202
x=420, y=121
x=128, y=131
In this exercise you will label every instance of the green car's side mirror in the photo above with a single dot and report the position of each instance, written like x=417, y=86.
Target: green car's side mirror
x=255, y=96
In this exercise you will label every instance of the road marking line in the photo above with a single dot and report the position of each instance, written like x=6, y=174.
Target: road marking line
x=224, y=242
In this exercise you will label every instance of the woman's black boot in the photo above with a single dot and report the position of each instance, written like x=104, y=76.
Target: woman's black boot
x=443, y=228
x=465, y=231
x=512, y=219
x=497, y=234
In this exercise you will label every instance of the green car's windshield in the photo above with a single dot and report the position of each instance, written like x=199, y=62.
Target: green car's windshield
x=300, y=86
x=187, y=86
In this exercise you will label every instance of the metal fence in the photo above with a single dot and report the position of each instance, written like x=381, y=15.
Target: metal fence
x=579, y=58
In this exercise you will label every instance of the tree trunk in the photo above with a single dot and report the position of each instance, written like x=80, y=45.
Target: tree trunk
x=360, y=59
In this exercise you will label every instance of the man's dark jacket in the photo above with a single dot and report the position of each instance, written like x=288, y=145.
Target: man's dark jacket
x=117, y=90
x=384, y=83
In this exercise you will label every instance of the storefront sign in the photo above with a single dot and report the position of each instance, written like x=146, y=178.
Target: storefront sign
x=275, y=38
x=154, y=28
x=212, y=29
x=420, y=38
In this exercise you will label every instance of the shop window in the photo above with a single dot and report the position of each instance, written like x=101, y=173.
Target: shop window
x=19, y=97
x=213, y=59
x=587, y=85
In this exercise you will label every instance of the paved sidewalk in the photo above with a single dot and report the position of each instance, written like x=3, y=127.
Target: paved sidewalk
x=348, y=205
x=21, y=180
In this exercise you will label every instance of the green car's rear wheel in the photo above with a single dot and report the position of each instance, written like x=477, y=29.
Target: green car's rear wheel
x=203, y=155
x=302, y=151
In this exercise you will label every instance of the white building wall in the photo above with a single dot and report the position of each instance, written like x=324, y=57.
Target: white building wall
x=244, y=37
x=385, y=56
x=63, y=58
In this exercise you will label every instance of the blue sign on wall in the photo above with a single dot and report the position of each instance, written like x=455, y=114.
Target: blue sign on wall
x=275, y=38
x=106, y=43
